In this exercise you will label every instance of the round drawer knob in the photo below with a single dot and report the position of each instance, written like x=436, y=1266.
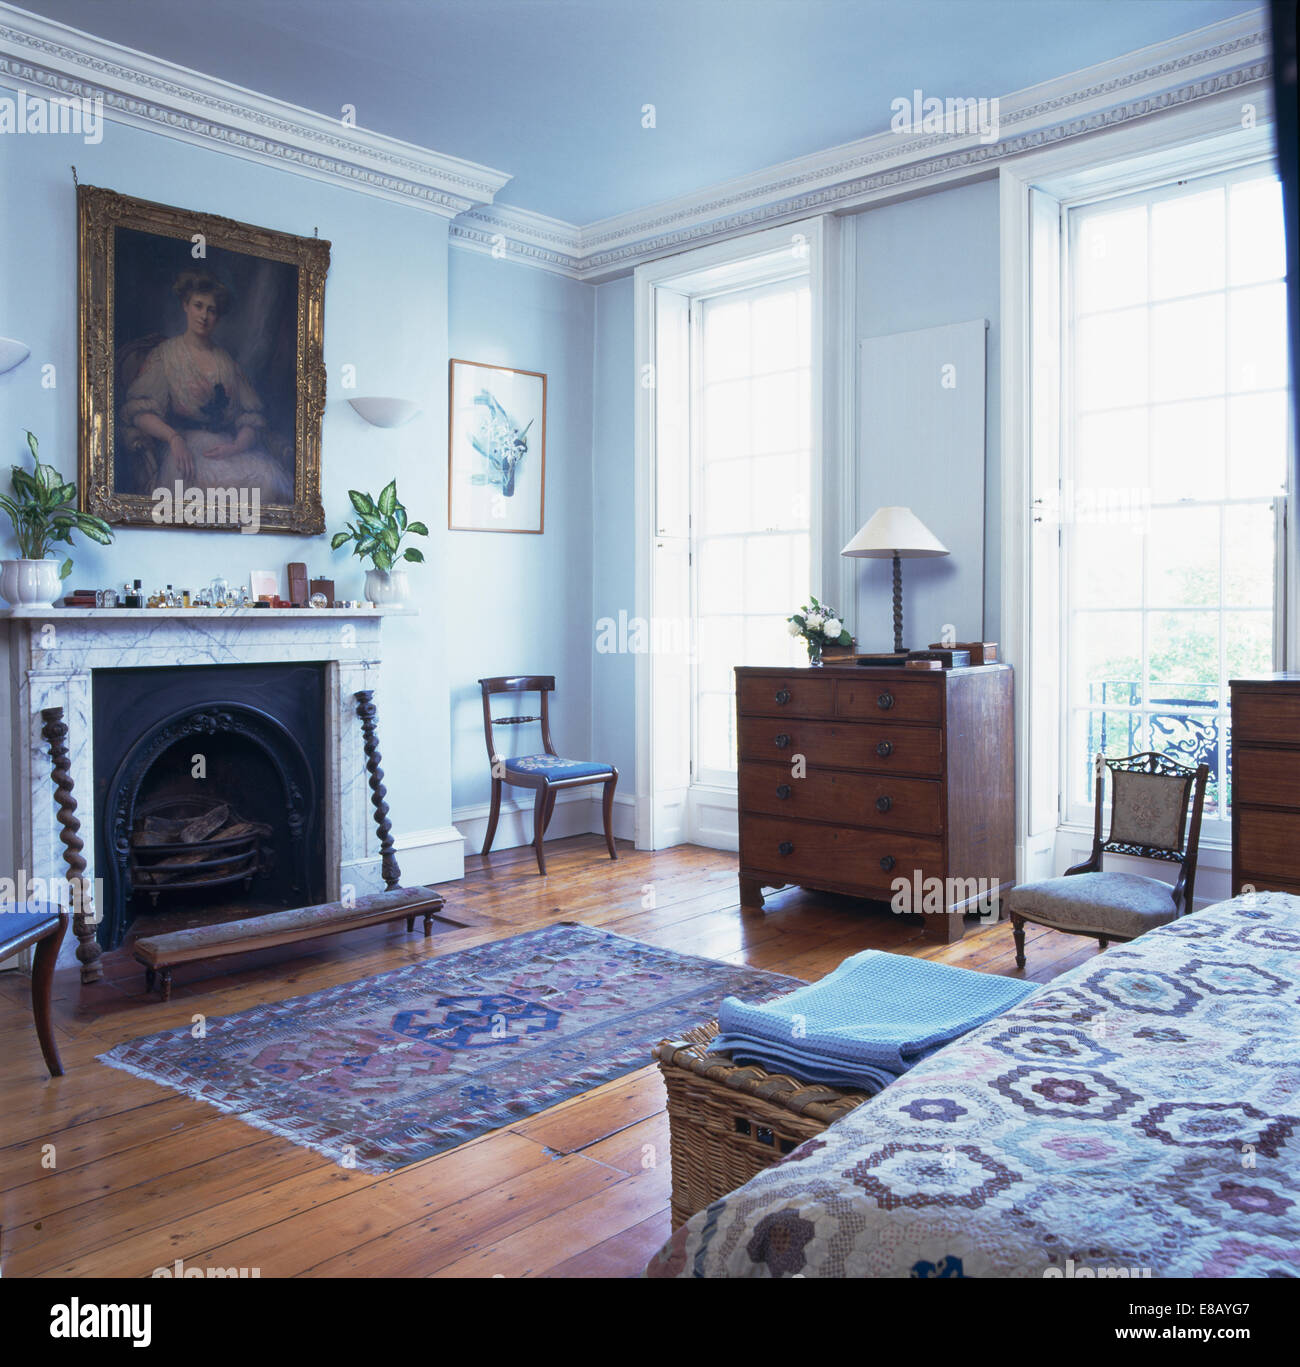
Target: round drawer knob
x=887, y=862
x=783, y=790
x=785, y=847
x=783, y=696
x=885, y=701
x=781, y=741
x=885, y=749
x=884, y=803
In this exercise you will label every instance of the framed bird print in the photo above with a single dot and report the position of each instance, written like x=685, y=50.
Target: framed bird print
x=496, y=465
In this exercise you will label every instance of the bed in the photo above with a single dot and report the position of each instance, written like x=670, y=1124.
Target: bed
x=1135, y=1117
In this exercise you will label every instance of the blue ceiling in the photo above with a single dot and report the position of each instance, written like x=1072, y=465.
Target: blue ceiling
x=552, y=90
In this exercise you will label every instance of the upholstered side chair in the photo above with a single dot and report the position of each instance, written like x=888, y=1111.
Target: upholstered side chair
x=546, y=773
x=1150, y=796
x=37, y=925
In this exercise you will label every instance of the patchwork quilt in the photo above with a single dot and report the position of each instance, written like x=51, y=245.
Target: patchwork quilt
x=1135, y=1117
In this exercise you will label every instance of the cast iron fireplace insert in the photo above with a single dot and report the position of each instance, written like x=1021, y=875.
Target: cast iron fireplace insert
x=209, y=786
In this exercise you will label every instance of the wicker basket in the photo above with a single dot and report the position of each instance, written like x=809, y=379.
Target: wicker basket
x=727, y=1123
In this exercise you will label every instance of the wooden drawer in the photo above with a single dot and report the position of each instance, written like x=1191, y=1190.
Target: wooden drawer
x=843, y=745
x=1263, y=883
x=796, y=695
x=1268, y=843
x=878, y=800
x=1270, y=777
x=820, y=856
x=1262, y=714
x=891, y=699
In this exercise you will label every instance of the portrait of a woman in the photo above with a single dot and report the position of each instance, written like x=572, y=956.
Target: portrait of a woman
x=202, y=364
x=191, y=414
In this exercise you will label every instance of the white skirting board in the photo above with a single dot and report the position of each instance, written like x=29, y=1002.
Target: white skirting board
x=577, y=812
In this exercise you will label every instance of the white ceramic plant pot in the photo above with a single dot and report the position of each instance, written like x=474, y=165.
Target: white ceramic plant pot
x=386, y=587
x=30, y=583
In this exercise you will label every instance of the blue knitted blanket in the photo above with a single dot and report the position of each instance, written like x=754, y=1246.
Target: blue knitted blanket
x=866, y=1023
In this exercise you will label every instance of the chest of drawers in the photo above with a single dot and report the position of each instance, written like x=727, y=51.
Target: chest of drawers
x=1266, y=783
x=884, y=783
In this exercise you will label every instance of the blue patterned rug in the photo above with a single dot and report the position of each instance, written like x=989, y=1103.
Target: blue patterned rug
x=383, y=1072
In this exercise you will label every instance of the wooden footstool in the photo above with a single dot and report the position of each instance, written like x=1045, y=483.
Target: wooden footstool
x=727, y=1123
x=161, y=953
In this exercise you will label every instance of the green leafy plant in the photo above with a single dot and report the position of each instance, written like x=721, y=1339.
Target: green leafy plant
x=43, y=510
x=380, y=529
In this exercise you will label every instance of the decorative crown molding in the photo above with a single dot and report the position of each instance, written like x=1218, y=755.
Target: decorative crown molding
x=1204, y=67
x=44, y=58
x=50, y=60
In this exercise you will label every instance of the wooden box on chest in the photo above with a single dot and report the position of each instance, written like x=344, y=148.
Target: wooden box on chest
x=851, y=778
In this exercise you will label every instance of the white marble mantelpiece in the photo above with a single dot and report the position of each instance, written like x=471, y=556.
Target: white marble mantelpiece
x=54, y=653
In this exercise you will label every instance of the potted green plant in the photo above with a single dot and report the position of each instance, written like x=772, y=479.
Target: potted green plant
x=43, y=510
x=819, y=626
x=377, y=536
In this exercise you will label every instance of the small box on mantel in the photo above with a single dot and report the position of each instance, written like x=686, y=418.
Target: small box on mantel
x=981, y=652
x=924, y=664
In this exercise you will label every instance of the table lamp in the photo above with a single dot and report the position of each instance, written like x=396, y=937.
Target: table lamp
x=895, y=533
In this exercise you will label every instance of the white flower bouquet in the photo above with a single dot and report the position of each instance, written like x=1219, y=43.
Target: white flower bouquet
x=819, y=626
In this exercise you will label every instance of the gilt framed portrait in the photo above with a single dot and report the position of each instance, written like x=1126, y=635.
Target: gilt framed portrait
x=202, y=370
x=496, y=465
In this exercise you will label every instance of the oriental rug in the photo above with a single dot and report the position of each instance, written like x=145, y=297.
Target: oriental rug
x=395, y=1068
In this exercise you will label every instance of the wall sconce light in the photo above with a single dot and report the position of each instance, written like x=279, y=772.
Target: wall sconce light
x=385, y=412
x=12, y=353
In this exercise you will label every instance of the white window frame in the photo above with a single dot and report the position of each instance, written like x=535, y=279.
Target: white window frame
x=1076, y=812
x=702, y=777
x=1210, y=135
x=670, y=809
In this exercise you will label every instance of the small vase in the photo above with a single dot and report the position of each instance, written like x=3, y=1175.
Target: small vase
x=814, y=652
x=387, y=587
x=30, y=583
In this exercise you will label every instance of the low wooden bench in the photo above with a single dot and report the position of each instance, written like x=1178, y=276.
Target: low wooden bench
x=161, y=953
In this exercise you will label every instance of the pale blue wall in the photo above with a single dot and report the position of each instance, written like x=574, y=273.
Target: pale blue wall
x=923, y=263
x=385, y=313
x=524, y=605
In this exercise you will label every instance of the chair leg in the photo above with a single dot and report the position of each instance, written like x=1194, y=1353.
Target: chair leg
x=607, y=809
x=1102, y=941
x=47, y=951
x=542, y=805
x=1018, y=931
x=492, y=816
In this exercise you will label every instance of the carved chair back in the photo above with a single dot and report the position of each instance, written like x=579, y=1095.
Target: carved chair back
x=1150, y=797
x=541, y=684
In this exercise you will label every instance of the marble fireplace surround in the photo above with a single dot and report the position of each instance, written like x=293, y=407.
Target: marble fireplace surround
x=55, y=651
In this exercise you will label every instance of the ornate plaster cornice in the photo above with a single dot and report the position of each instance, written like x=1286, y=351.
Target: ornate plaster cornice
x=42, y=58
x=1198, y=68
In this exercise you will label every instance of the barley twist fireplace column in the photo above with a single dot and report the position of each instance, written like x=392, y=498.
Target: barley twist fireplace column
x=55, y=730
x=370, y=741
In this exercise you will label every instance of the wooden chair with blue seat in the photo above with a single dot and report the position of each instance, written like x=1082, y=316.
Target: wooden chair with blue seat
x=1150, y=798
x=546, y=773
x=43, y=927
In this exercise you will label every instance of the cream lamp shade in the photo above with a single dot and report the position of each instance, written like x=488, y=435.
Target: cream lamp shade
x=895, y=534
x=891, y=532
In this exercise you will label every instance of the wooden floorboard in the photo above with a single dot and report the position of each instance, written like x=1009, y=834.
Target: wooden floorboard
x=103, y=1173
